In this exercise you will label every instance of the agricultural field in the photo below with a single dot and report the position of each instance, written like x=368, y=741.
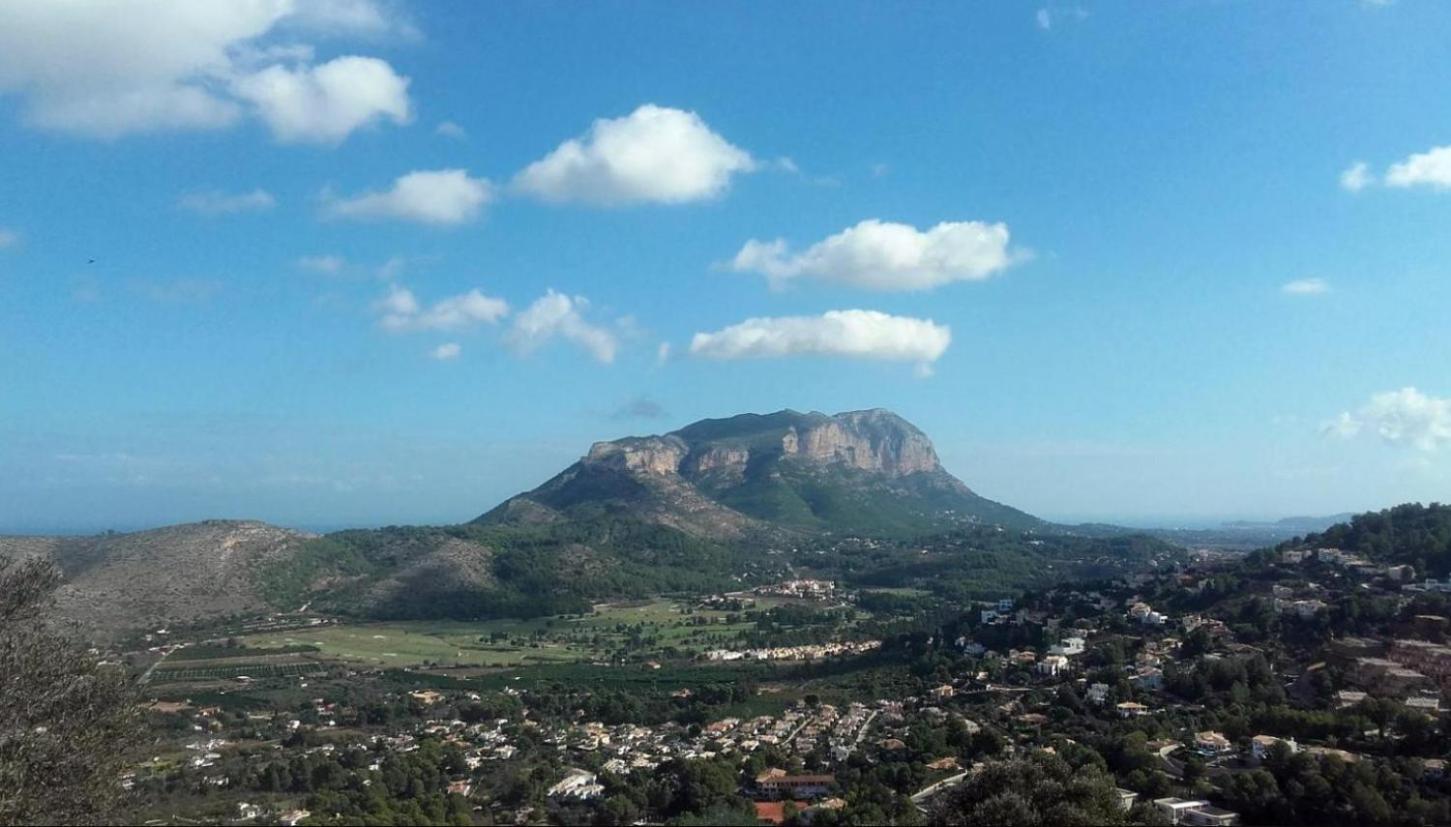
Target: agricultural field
x=216, y=670
x=638, y=627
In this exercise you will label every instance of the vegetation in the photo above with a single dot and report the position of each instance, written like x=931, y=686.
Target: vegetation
x=1413, y=534
x=64, y=719
x=1040, y=789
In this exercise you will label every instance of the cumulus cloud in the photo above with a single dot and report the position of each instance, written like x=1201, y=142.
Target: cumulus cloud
x=881, y=255
x=329, y=265
x=857, y=334
x=1305, y=287
x=401, y=312
x=363, y=17
x=1431, y=168
x=326, y=103
x=446, y=351
x=449, y=129
x=556, y=315
x=654, y=154
x=443, y=196
x=1356, y=177
x=1402, y=417
x=216, y=202
x=112, y=69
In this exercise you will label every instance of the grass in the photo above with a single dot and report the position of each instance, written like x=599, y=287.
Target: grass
x=501, y=643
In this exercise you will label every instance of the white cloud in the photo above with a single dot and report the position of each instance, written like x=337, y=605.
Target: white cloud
x=449, y=129
x=1047, y=17
x=881, y=255
x=558, y=315
x=1431, y=168
x=662, y=353
x=858, y=334
x=363, y=17
x=1403, y=417
x=329, y=265
x=401, y=312
x=444, y=196
x=1345, y=426
x=215, y=202
x=8, y=238
x=1356, y=177
x=326, y=103
x=654, y=154
x=112, y=69
x=1305, y=287
x=446, y=351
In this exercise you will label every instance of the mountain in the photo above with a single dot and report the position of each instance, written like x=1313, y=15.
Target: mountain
x=860, y=472
x=1291, y=525
x=167, y=575
x=705, y=508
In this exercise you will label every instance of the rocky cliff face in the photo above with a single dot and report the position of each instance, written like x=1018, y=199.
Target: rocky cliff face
x=648, y=455
x=876, y=441
x=862, y=471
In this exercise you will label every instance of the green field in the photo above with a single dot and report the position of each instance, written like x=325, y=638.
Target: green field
x=553, y=640
x=212, y=671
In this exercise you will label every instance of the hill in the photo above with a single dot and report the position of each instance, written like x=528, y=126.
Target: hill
x=862, y=472
x=180, y=573
x=722, y=503
x=1414, y=534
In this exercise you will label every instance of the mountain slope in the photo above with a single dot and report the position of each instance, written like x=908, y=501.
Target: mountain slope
x=868, y=472
x=180, y=573
x=1414, y=534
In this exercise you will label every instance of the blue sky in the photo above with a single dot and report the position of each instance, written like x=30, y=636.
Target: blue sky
x=1142, y=262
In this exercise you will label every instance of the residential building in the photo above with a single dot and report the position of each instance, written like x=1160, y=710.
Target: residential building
x=1174, y=808
x=1208, y=815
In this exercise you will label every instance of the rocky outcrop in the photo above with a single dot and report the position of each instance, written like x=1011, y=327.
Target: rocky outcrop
x=719, y=458
x=877, y=441
x=648, y=455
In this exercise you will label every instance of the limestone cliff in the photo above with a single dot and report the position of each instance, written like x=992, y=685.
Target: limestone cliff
x=861, y=471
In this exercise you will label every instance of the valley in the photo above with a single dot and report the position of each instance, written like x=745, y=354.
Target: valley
x=766, y=619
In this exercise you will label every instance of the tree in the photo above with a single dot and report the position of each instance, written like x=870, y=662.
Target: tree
x=64, y=720
x=1039, y=789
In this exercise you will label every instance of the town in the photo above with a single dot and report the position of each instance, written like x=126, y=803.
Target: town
x=1194, y=689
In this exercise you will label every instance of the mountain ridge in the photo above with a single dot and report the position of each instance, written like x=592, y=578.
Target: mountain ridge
x=761, y=472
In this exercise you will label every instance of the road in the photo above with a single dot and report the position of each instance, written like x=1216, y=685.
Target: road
x=933, y=789
x=146, y=676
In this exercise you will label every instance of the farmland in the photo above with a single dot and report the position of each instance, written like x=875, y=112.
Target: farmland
x=658, y=626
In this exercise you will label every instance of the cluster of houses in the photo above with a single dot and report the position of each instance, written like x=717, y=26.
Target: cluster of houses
x=813, y=651
x=1352, y=563
x=805, y=589
x=1415, y=672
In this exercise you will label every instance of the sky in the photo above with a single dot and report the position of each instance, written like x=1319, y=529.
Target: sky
x=358, y=262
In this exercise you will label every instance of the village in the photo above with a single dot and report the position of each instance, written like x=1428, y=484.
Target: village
x=1121, y=667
